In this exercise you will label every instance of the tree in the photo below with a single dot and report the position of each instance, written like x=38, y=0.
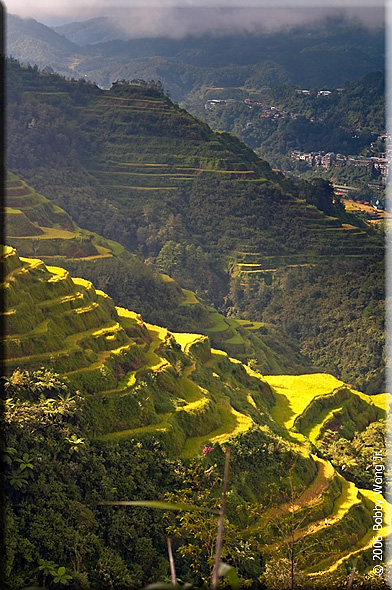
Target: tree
x=294, y=546
x=195, y=532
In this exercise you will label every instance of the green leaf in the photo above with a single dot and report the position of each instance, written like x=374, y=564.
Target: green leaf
x=7, y=456
x=23, y=466
x=229, y=572
x=10, y=451
x=47, y=567
x=160, y=505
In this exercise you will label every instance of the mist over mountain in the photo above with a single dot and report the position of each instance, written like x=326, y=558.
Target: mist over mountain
x=196, y=17
x=330, y=52
x=180, y=22
x=95, y=30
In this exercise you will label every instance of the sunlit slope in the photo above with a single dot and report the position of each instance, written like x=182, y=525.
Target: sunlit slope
x=141, y=381
x=59, y=322
x=310, y=404
x=139, y=376
x=245, y=340
x=36, y=227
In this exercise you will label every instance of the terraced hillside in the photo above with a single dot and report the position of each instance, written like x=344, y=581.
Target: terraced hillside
x=141, y=381
x=201, y=207
x=36, y=227
x=152, y=162
x=166, y=150
x=310, y=405
x=330, y=239
x=66, y=325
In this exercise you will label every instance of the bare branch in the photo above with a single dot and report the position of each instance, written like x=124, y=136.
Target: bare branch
x=350, y=581
x=171, y=560
x=219, y=535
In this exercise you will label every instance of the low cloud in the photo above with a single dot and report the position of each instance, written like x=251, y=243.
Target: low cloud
x=178, y=18
x=179, y=22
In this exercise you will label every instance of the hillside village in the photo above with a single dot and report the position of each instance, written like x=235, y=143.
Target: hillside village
x=330, y=159
x=268, y=111
x=375, y=166
x=273, y=112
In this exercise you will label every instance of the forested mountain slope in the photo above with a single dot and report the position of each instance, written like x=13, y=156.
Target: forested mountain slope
x=38, y=228
x=347, y=120
x=37, y=43
x=130, y=165
x=153, y=412
x=324, y=53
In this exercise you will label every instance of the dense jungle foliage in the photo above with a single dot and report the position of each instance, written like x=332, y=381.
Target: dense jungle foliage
x=56, y=479
x=319, y=307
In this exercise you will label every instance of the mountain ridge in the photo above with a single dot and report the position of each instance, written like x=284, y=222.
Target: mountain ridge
x=181, y=64
x=98, y=29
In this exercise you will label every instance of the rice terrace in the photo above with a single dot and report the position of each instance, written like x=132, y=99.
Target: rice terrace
x=194, y=358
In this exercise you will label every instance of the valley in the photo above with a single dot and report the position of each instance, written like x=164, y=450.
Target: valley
x=189, y=201
x=172, y=298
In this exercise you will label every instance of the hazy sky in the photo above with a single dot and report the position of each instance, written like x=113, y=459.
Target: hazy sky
x=148, y=16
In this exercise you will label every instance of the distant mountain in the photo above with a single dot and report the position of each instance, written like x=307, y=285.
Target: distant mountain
x=96, y=49
x=32, y=42
x=94, y=30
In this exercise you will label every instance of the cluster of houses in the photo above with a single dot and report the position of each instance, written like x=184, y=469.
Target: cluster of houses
x=267, y=111
x=319, y=93
x=211, y=104
x=316, y=159
x=330, y=159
